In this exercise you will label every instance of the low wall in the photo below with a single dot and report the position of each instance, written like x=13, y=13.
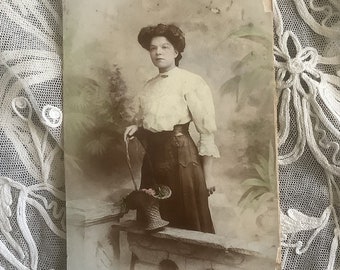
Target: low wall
x=189, y=250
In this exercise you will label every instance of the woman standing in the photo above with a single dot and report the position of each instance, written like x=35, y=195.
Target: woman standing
x=167, y=104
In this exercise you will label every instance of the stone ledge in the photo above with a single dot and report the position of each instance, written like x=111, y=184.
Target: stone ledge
x=190, y=237
x=190, y=249
x=148, y=247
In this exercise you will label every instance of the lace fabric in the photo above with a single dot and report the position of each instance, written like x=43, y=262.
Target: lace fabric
x=307, y=73
x=32, y=203
x=32, y=220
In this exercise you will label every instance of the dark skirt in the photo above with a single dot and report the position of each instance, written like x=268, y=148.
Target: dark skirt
x=172, y=159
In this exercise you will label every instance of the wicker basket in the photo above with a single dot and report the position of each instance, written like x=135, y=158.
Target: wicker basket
x=147, y=207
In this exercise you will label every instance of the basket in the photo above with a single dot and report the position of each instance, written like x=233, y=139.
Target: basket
x=147, y=207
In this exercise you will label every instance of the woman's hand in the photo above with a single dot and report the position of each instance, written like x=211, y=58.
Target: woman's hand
x=207, y=169
x=129, y=132
x=211, y=188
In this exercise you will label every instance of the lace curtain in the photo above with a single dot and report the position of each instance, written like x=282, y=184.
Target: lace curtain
x=307, y=61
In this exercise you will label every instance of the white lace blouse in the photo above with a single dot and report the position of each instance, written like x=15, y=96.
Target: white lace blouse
x=178, y=97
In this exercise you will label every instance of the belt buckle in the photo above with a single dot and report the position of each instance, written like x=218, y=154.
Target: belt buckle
x=178, y=131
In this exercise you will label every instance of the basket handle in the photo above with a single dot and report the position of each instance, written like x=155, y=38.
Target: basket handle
x=129, y=164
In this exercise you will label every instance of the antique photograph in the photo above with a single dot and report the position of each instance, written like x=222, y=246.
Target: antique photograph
x=170, y=150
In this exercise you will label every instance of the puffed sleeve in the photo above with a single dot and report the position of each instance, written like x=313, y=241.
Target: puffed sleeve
x=201, y=106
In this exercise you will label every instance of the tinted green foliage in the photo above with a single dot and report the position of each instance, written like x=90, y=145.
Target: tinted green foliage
x=95, y=119
x=262, y=187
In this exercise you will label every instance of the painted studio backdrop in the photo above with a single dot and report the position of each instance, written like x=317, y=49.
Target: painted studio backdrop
x=228, y=43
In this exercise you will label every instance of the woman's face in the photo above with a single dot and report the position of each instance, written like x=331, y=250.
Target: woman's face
x=162, y=53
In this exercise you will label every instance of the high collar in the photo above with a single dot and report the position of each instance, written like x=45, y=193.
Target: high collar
x=167, y=73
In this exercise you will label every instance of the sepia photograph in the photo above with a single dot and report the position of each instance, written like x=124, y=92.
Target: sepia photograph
x=169, y=134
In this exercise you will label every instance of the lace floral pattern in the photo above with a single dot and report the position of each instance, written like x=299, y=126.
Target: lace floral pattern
x=32, y=210
x=306, y=61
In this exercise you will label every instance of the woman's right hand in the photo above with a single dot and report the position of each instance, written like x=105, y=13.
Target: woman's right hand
x=129, y=132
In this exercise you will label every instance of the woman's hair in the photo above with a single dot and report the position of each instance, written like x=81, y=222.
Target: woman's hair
x=170, y=31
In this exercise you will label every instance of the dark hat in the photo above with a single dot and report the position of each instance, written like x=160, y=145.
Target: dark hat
x=170, y=31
